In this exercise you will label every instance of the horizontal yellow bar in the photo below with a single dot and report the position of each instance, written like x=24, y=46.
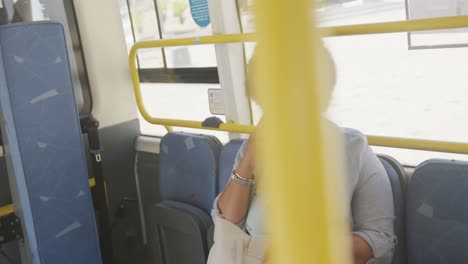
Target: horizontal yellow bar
x=397, y=26
x=418, y=144
x=359, y=29
x=8, y=209
x=387, y=27
x=228, y=127
x=393, y=142
x=215, y=39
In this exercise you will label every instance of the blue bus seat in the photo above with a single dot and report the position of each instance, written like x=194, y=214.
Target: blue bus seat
x=188, y=181
x=45, y=156
x=226, y=163
x=437, y=210
x=399, y=170
x=180, y=229
x=395, y=171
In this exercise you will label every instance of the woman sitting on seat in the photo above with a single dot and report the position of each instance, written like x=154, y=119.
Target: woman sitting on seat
x=238, y=210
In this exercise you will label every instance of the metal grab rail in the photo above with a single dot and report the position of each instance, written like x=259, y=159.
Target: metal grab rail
x=8, y=209
x=348, y=30
x=419, y=144
x=397, y=26
x=376, y=28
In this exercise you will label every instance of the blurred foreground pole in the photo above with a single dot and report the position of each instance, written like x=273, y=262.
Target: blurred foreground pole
x=301, y=168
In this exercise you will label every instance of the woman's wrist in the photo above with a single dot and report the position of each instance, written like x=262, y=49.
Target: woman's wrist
x=245, y=170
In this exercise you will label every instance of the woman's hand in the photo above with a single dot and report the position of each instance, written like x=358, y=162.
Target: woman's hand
x=362, y=252
x=234, y=200
x=247, y=165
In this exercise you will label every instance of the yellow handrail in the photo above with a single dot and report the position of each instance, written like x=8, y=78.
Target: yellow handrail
x=397, y=26
x=359, y=29
x=8, y=209
x=306, y=224
x=419, y=144
x=380, y=141
x=387, y=27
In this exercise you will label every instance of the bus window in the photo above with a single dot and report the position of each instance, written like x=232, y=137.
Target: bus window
x=386, y=89
x=63, y=12
x=350, y=12
x=245, y=9
x=169, y=87
x=178, y=101
x=178, y=23
x=169, y=19
x=419, y=9
x=140, y=23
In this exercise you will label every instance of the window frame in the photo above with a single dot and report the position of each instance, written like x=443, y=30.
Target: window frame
x=179, y=75
x=171, y=74
x=81, y=67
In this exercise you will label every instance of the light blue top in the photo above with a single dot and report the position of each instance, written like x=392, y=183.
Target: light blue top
x=254, y=221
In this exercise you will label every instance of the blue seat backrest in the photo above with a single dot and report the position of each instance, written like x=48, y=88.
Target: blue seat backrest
x=226, y=162
x=189, y=168
x=46, y=160
x=392, y=167
x=437, y=210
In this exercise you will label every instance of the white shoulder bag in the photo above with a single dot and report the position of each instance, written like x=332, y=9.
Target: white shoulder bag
x=233, y=246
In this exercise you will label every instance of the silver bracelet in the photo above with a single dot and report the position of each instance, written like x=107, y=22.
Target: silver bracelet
x=241, y=180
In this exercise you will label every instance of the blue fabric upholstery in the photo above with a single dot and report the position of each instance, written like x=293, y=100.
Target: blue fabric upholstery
x=46, y=160
x=226, y=162
x=188, y=184
x=188, y=169
x=437, y=228
x=398, y=202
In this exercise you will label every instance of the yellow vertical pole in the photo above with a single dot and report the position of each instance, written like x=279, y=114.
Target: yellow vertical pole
x=303, y=189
